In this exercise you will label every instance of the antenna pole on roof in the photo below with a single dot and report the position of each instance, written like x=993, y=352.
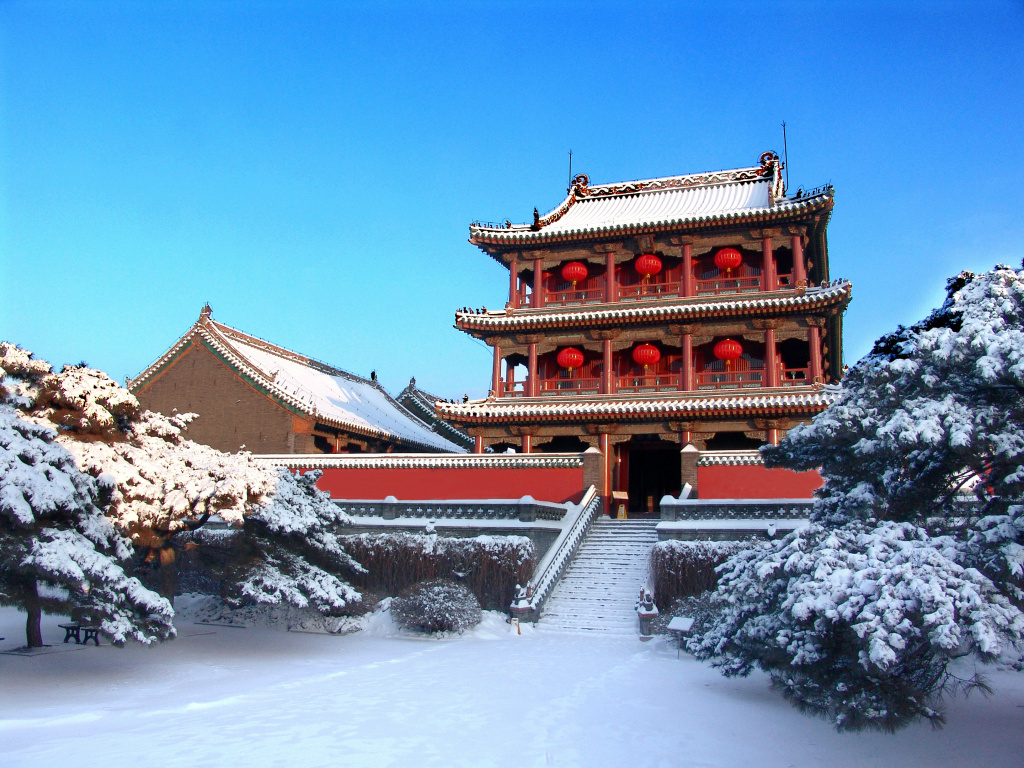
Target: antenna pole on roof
x=785, y=152
x=570, y=170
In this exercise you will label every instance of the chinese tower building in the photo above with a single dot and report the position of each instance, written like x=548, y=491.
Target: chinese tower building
x=659, y=321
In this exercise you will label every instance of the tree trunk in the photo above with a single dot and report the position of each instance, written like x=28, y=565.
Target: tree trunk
x=33, y=625
x=168, y=574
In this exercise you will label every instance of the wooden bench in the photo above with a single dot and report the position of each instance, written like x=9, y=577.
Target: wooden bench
x=680, y=627
x=75, y=631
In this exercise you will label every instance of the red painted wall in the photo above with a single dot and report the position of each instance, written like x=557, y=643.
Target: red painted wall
x=755, y=482
x=558, y=484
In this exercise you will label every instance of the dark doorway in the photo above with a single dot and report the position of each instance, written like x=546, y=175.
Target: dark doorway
x=562, y=444
x=732, y=441
x=653, y=470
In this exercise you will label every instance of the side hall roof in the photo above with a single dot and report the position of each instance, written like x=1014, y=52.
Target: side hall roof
x=755, y=193
x=304, y=386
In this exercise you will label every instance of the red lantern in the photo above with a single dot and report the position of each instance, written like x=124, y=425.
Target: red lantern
x=648, y=265
x=728, y=259
x=646, y=354
x=574, y=271
x=570, y=358
x=728, y=350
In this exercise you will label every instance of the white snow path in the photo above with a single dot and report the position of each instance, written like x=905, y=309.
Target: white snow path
x=247, y=697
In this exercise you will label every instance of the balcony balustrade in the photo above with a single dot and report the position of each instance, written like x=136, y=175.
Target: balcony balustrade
x=570, y=297
x=719, y=285
x=648, y=291
x=595, y=292
x=570, y=386
x=513, y=389
x=730, y=379
x=666, y=382
x=794, y=377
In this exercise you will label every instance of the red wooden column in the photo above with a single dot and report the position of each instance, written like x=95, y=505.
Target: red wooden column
x=538, y=284
x=799, y=263
x=513, y=284
x=768, y=280
x=478, y=444
x=686, y=279
x=527, y=443
x=604, y=444
x=609, y=372
x=771, y=366
x=531, y=376
x=687, y=375
x=496, y=373
x=610, y=284
x=773, y=436
x=817, y=374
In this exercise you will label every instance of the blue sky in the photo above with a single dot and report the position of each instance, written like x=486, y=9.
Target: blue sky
x=311, y=169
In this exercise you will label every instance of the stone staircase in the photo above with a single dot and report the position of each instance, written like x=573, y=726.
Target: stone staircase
x=598, y=591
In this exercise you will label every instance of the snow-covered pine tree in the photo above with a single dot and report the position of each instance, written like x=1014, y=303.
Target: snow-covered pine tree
x=858, y=617
x=168, y=487
x=291, y=553
x=935, y=411
x=58, y=554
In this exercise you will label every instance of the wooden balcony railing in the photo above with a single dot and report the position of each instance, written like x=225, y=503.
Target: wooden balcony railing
x=718, y=285
x=729, y=379
x=666, y=382
x=570, y=386
x=794, y=377
x=570, y=296
x=513, y=389
x=647, y=291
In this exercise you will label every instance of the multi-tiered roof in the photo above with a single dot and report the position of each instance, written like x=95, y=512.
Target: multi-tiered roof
x=695, y=201
x=698, y=213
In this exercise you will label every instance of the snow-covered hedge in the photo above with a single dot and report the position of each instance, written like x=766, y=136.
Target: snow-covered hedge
x=439, y=605
x=490, y=566
x=687, y=568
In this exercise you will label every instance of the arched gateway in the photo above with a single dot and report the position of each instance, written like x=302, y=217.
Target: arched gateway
x=649, y=316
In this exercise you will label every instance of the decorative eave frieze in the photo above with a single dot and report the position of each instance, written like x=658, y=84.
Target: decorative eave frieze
x=695, y=405
x=675, y=310
x=424, y=461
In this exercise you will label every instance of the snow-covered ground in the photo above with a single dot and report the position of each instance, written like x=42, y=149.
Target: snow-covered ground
x=263, y=697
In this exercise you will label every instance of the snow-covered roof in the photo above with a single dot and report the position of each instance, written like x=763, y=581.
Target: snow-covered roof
x=423, y=461
x=637, y=407
x=720, y=196
x=668, y=310
x=421, y=404
x=330, y=395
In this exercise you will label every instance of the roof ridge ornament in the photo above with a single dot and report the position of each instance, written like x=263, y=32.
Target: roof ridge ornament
x=772, y=166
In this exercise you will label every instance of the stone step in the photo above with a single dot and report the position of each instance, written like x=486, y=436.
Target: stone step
x=598, y=591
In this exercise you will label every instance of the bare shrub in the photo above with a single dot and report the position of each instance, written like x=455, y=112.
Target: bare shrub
x=489, y=566
x=687, y=568
x=439, y=605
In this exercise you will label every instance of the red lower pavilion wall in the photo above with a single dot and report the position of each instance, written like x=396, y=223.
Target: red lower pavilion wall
x=558, y=484
x=755, y=482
